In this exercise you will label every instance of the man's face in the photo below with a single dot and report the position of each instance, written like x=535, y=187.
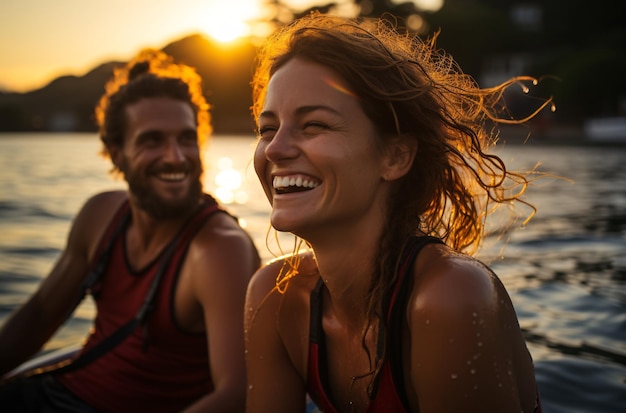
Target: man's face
x=160, y=157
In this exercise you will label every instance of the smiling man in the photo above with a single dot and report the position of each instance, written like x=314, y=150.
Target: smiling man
x=162, y=253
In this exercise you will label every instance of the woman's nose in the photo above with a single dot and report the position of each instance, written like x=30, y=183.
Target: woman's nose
x=282, y=146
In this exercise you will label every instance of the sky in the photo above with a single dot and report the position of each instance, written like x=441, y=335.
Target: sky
x=43, y=39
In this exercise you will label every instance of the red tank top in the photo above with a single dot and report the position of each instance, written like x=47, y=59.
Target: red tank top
x=388, y=395
x=159, y=367
x=389, y=389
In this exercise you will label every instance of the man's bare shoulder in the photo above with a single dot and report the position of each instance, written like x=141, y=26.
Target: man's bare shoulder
x=220, y=227
x=104, y=204
x=222, y=246
x=94, y=217
x=222, y=232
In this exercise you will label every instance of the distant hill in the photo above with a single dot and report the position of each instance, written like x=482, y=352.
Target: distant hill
x=67, y=103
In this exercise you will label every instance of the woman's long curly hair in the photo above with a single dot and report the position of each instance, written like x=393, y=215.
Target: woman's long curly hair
x=151, y=74
x=408, y=88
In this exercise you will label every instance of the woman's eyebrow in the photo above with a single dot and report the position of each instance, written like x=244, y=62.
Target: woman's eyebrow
x=302, y=110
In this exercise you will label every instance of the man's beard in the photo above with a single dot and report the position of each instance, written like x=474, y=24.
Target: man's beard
x=149, y=201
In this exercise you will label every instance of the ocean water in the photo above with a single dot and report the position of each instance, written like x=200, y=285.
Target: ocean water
x=565, y=270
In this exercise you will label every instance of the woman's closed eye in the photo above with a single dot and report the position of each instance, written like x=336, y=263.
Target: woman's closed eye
x=267, y=132
x=315, y=127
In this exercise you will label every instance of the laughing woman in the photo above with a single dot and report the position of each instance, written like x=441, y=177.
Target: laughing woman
x=371, y=149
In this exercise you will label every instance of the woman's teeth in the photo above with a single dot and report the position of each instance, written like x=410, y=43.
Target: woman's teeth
x=286, y=183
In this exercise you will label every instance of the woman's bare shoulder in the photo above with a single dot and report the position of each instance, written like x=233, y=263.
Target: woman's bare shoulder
x=466, y=333
x=303, y=278
x=446, y=280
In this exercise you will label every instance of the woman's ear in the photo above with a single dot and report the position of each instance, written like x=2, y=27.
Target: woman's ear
x=399, y=156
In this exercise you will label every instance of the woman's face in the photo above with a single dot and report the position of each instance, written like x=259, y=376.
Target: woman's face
x=317, y=157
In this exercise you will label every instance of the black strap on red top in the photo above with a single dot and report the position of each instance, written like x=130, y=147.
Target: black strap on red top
x=395, y=306
x=208, y=207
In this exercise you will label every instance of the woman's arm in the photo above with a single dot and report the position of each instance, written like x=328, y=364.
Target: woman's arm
x=467, y=352
x=274, y=385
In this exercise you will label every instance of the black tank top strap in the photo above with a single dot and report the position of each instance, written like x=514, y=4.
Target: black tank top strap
x=397, y=307
x=410, y=251
x=395, y=318
x=101, y=257
x=315, y=324
x=176, y=250
x=194, y=223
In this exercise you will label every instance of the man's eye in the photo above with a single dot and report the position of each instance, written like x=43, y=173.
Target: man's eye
x=189, y=138
x=150, y=138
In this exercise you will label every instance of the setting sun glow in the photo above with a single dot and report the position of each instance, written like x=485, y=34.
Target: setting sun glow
x=226, y=21
x=48, y=39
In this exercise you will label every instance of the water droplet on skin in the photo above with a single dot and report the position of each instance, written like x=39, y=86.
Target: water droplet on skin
x=454, y=376
x=473, y=371
x=474, y=315
x=251, y=309
x=475, y=387
x=427, y=322
x=250, y=387
x=480, y=344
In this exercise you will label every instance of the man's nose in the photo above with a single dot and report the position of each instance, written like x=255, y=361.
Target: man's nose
x=173, y=151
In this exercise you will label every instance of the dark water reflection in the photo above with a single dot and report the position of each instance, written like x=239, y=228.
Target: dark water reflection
x=566, y=273
x=565, y=270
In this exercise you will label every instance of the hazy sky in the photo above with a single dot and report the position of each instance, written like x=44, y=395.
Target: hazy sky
x=43, y=39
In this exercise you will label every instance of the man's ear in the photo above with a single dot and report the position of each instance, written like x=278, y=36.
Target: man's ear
x=399, y=156
x=115, y=152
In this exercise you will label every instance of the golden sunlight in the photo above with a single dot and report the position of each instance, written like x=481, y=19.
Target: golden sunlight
x=227, y=21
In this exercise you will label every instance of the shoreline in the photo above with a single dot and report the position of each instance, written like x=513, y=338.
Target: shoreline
x=561, y=135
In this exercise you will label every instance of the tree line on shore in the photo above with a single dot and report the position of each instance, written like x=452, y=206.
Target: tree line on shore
x=576, y=47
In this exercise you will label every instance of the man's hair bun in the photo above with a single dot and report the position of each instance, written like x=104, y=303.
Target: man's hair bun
x=140, y=68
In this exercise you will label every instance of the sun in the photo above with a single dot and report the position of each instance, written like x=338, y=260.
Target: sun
x=227, y=20
x=224, y=27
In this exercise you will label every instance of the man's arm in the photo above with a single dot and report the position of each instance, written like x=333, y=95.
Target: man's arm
x=224, y=259
x=30, y=326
